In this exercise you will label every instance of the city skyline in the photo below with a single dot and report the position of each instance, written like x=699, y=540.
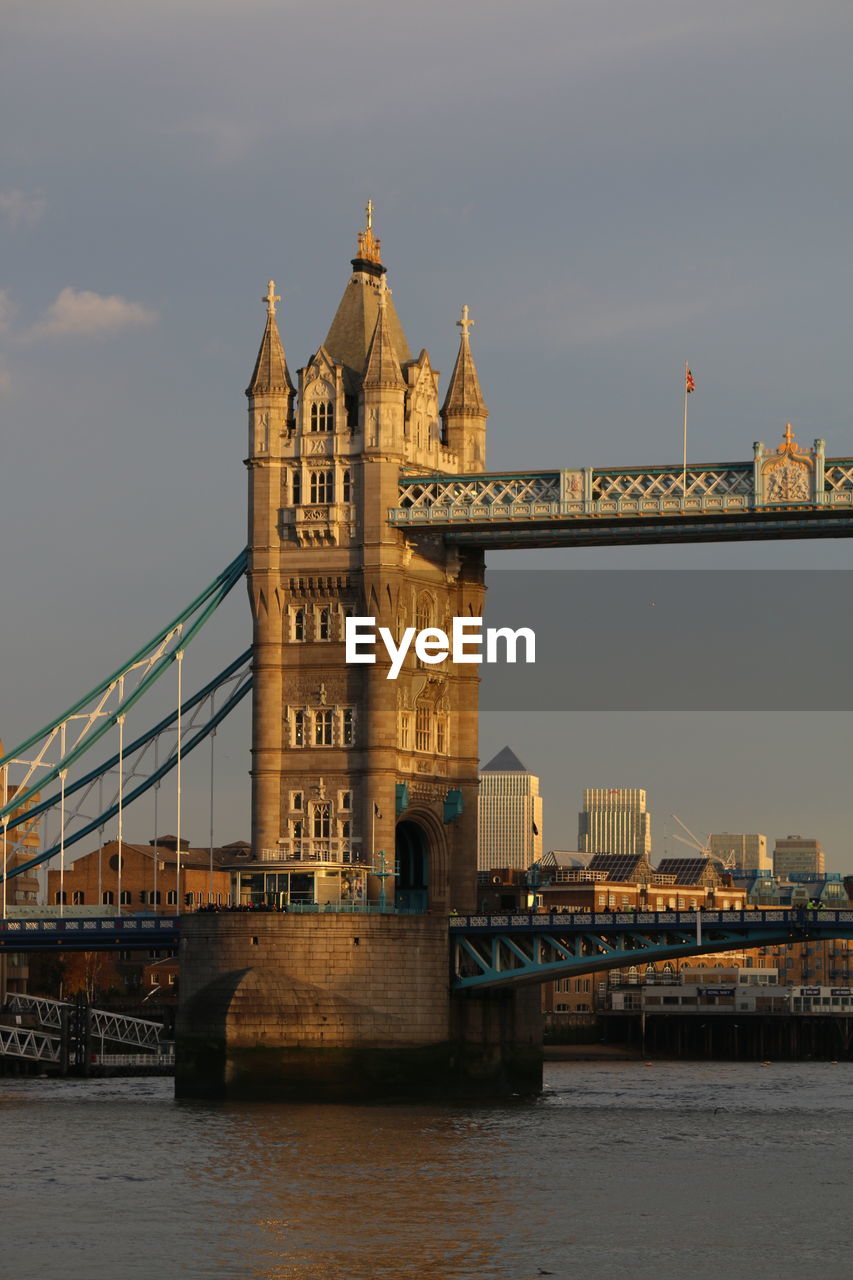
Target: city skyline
x=647, y=237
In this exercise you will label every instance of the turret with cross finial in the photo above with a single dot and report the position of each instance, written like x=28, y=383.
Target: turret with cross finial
x=464, y=410
x=270, y=391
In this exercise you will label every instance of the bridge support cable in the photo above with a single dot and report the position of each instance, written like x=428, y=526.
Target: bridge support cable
x=234, y=671
x=120, y=828
x=180, y=658
x=140, y=764
x=92, y=716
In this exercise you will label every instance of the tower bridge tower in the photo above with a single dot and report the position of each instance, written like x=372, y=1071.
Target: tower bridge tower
x=364, y=788
x=350, y=768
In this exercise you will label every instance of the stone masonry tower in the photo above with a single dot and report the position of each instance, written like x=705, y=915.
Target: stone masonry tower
x=353, y=773
x=364, y=789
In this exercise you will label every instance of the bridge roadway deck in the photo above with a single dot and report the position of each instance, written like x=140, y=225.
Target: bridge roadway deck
x=89, y=933
x=514, y=950
x=498, y=950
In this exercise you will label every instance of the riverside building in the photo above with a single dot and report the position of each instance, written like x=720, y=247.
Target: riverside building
x=797, y=855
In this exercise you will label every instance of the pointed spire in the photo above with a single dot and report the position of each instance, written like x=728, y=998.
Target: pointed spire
x=350, y=332
x=382, y=367
x=463, y=393
x=270, y=375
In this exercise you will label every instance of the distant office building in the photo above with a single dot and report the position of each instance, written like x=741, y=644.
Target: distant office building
x=796, y=854
x=510, y=826
x=745, y=852
x=615, y=820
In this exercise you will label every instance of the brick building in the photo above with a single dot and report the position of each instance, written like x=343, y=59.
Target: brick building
x=146, y=878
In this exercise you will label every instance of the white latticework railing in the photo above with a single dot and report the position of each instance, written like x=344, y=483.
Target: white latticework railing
x=838, y=475
x=467, y=491
x=700, y=483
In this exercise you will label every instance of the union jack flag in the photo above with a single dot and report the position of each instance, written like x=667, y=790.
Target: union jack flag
x=689, y=382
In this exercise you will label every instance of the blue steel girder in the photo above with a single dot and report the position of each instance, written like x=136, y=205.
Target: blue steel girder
x=501, y=951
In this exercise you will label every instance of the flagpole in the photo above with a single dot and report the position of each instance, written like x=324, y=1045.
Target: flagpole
x=684, y=463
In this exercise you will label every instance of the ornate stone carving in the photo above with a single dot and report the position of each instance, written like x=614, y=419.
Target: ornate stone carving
x=788, y=475
x=429, y=791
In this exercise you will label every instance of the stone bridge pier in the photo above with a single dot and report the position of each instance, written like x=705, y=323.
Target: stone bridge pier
x=342, y=1008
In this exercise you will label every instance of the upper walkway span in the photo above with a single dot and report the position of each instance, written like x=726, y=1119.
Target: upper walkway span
x=790, y=493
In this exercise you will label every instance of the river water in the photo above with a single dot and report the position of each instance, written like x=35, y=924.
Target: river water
x=671, y=1171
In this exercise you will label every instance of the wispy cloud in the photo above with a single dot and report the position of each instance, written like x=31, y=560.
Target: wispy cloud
x=20, y=209
x=81, y=313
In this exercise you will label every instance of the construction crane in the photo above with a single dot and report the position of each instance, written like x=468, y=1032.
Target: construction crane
x=727, y=863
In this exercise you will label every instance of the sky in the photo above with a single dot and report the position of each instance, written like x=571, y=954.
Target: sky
x=613, y=188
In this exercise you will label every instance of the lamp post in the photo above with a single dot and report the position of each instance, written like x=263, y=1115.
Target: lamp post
x=382, y=875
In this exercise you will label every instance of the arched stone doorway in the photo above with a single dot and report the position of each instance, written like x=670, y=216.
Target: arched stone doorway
x=411, y=852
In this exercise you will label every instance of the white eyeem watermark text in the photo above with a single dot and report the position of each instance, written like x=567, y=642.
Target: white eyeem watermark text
x=432, y=645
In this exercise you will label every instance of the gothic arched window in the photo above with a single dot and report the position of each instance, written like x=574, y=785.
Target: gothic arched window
x=323, y=722
x=322, y=486
x=423, y=728
x=322, y=821
x=423, y=617
x=297, y=487
x=322, y=416
x=423, y=620
x=346, y=487
x=299, y=624
x=324, y=625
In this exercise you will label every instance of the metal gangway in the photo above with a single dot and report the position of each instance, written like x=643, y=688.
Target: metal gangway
x=30, y=1045
x=136, y=1033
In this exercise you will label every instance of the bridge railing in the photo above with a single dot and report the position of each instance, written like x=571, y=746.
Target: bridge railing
x=23, y=930
x=645, y=919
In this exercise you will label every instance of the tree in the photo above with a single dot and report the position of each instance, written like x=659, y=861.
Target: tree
x=90, y=973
